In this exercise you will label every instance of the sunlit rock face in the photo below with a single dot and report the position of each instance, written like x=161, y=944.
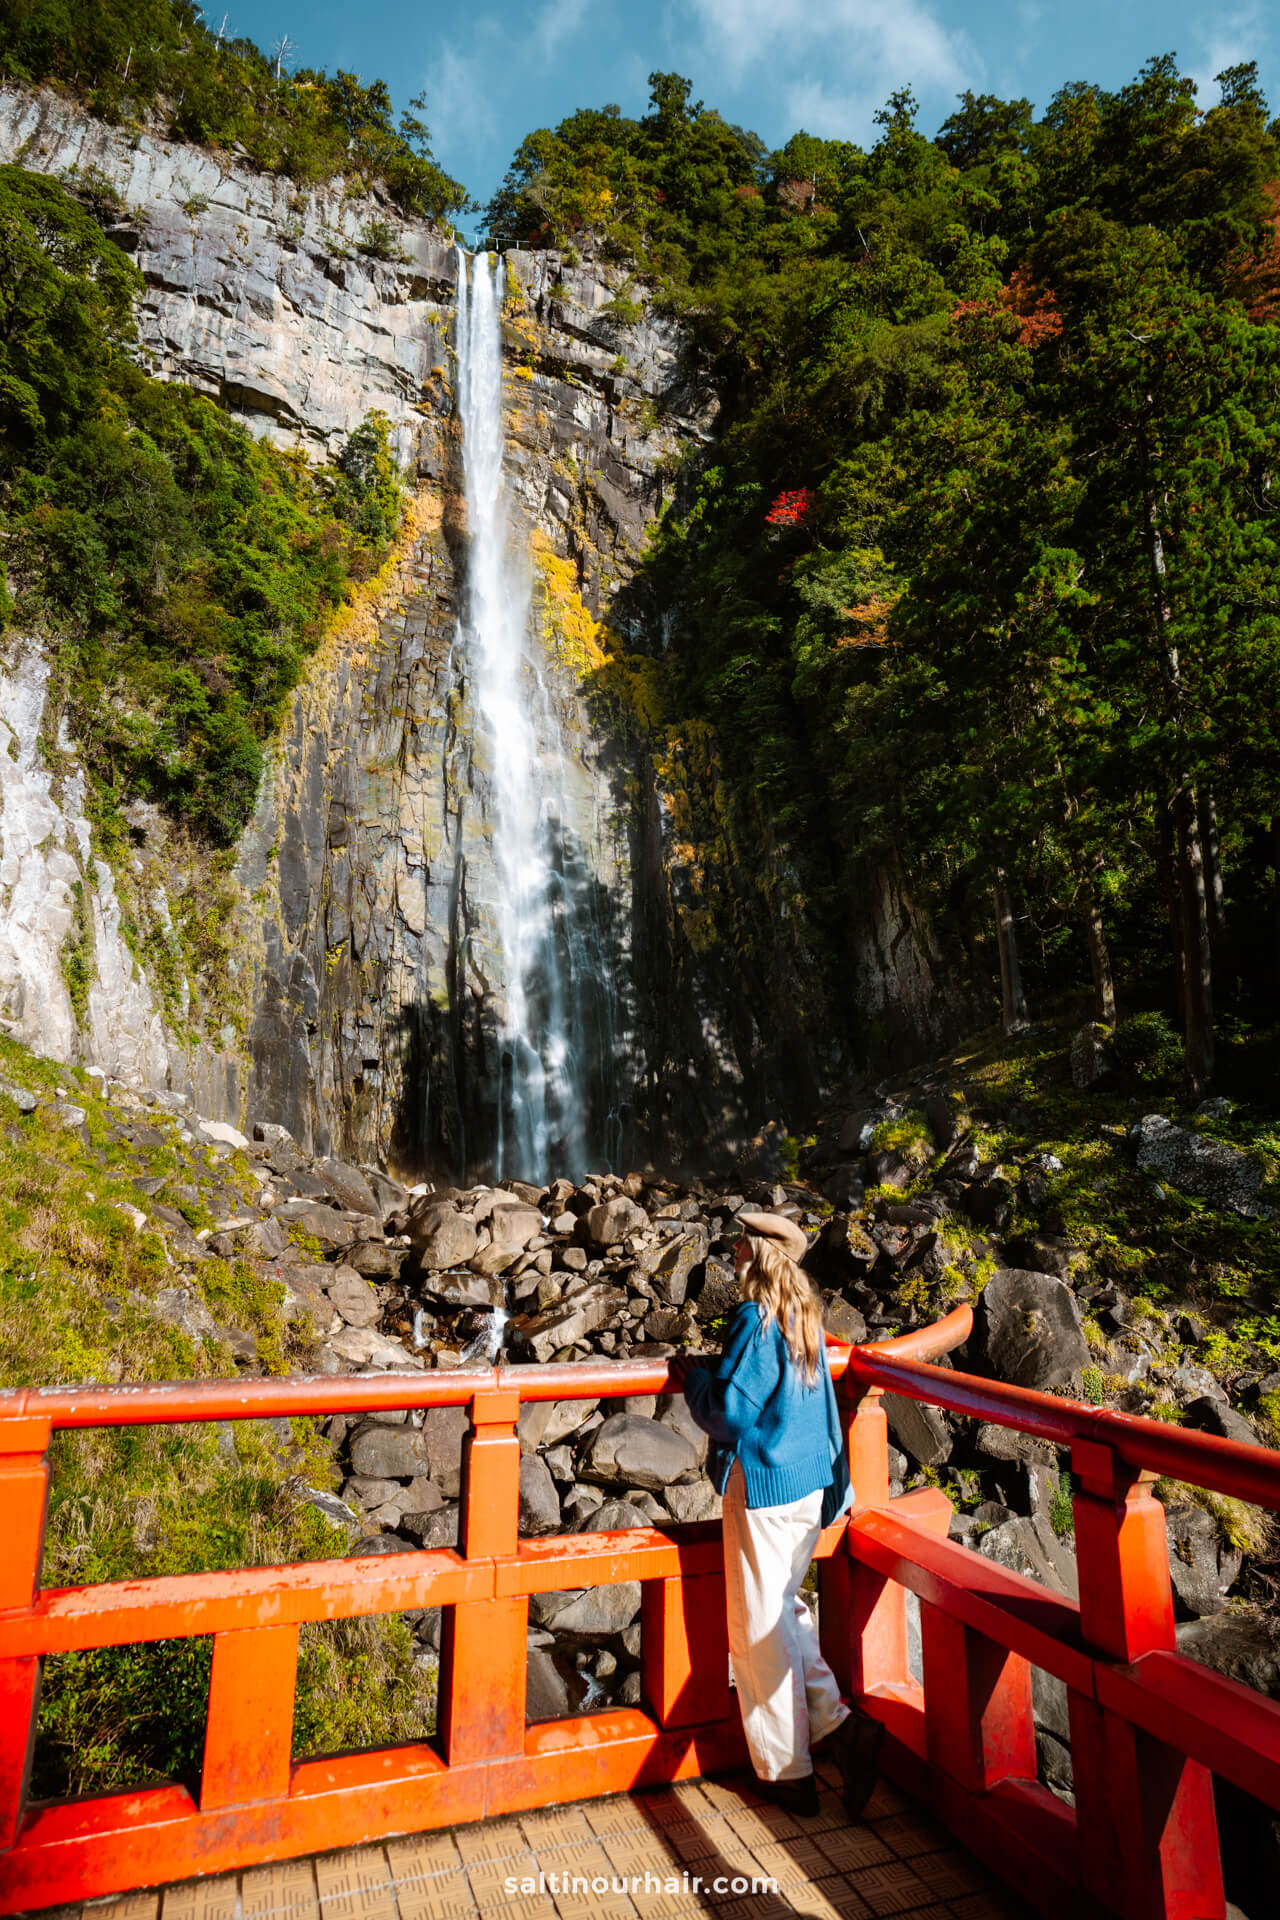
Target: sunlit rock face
x=258, y=292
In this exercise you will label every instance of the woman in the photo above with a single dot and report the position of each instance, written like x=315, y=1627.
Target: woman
x=779, y=1460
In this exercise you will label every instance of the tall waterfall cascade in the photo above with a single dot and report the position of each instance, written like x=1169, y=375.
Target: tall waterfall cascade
x=554, y=1000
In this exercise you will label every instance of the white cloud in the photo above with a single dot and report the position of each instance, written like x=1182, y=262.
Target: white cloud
x=555, y=23
x=1230, y=39
x=834, y=63
x=461, y=107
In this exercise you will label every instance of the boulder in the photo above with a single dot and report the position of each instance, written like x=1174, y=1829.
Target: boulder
x=186, y=1311
x=539, y=1501
x=1093, y=1059
x=698, y=1501
x=1212, y=1414
x=441, y=1236
x=319, y=1222
x=630, y=1451
x=1243, y=1646
x=304, y=1298
x=611, y=1221
x=842, y=1320
x=1031, y=1546
x=264, y=1240
x=844, y=1186
x=848, y=1242
x=353, y=1297
x=615, y=1516
x=669, y=1265
x=348, y=1187
x=673, y=1411
x=382, y=1543
x=544, y=1423
x=335, y=1511
x=923, y=1432
x=540, y=1335
x=492, y=1260
x=1196, y=1164
x=365, y=1346
x=857, y=1128
x=24, y=1101
x=944, y=1114
x=513, y=1226
x=380, y=1452
x=223, y=1134
x=554, y=1689
x=1003, y=1443
x=443, y=1431
x=1201, y=1567
x=580, y=1504
x=433, y=1527
x=463, y=1289
x=720, y=1293
x=375, y=1260
x=1027, y=1329
x=588, y=1610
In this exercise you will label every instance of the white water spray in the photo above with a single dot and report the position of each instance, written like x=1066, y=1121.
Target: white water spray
x=542, y=1099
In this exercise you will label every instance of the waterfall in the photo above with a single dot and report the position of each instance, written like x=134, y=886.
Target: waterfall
x=552, y=978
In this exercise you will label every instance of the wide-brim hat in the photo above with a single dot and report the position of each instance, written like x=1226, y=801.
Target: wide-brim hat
x=787, y=1234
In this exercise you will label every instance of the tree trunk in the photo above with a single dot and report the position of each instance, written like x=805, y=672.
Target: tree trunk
x=1167, y=865
x=1196, y=963
x=1013, y=1002
x=1196, y=947
x=1215, y=895
x=1104, y=992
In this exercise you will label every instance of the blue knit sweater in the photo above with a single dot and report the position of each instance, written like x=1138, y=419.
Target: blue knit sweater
x=755, y=1405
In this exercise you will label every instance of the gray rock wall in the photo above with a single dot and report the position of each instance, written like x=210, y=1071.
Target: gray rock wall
x=259, y=292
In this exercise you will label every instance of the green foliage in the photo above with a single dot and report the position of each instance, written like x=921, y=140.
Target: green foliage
x=76, y=957
x=160, y=58
x=1016, y=374
x=1148, y=1047
x=191, y=568
x=1062, y=1516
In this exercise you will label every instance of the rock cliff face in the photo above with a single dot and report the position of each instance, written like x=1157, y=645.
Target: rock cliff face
x=365, y=956
x=263, y=295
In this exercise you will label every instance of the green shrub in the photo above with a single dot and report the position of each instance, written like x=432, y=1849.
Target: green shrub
x=1149, y=1047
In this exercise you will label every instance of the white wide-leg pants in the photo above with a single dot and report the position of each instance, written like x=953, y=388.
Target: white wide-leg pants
x=786, y=1690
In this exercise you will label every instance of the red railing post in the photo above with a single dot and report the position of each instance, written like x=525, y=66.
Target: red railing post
x=872, y=1622
x=248, y=1742
x=1145, y=1814
x=684, y=1649
x=484, y=1643
x=24, y=1489
x=978, y=1720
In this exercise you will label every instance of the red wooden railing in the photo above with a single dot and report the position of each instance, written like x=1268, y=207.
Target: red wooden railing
x=1148, y=1727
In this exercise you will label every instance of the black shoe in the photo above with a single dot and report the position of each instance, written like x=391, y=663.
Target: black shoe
x=799, y=1797
x=853, y=1746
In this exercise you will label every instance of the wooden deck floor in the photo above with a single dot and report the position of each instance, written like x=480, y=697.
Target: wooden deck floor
x=704, y=1847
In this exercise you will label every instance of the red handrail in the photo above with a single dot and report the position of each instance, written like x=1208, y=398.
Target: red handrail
x=1203, y=1459
x=1146, y=1724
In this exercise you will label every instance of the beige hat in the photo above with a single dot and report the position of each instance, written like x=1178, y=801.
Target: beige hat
x=787, y=1234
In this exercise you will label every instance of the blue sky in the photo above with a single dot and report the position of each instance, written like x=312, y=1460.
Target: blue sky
x=495, y=69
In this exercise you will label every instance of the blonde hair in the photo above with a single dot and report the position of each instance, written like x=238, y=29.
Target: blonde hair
x=783, y=1293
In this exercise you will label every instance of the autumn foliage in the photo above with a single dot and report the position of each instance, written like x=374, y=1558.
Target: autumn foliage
x=793, y=509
